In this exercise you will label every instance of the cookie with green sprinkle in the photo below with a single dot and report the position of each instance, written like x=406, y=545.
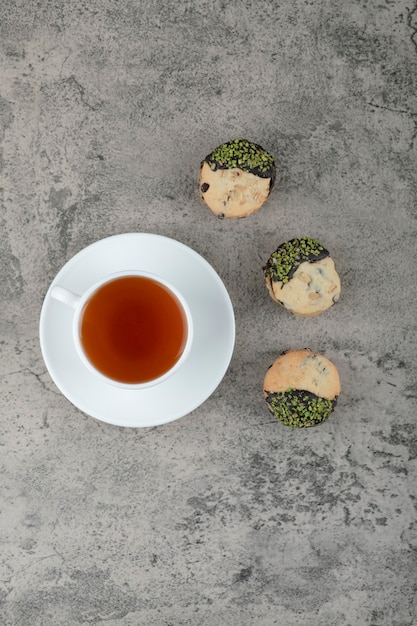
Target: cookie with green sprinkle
x=236, y=178
x=301, y=388
x=301, y=276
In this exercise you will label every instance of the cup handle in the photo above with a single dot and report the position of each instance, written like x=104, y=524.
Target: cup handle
x=64, y=295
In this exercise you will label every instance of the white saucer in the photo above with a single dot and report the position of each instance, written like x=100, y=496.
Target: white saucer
x=214, y=331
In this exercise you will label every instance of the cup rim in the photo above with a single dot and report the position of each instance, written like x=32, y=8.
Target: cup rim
x=85, y=297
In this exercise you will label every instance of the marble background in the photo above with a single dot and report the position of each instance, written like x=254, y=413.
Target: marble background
x=224, y=516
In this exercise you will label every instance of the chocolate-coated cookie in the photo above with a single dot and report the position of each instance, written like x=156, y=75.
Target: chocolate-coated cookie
x=301, y=276
x=301, y=388
x=236, y=178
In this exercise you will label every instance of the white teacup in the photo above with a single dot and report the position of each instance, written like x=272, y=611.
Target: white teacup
x=132, y=329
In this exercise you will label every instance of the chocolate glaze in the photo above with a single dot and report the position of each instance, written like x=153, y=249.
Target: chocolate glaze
x=299, y=394
x=269, y=173
x=304, y=398
x=310, y=258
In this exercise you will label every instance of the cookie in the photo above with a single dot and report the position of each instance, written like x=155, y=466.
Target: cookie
x=236, y=178
x=301, y=388
x=301, y=276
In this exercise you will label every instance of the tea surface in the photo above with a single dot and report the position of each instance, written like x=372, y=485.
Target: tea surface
x=133, y=329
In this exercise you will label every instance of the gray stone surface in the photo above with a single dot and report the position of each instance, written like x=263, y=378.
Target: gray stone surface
x=224, y=516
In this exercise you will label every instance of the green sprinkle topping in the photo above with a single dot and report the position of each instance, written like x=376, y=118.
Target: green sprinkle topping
x=299, y=409
x=282, y=263
x=244, y=154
